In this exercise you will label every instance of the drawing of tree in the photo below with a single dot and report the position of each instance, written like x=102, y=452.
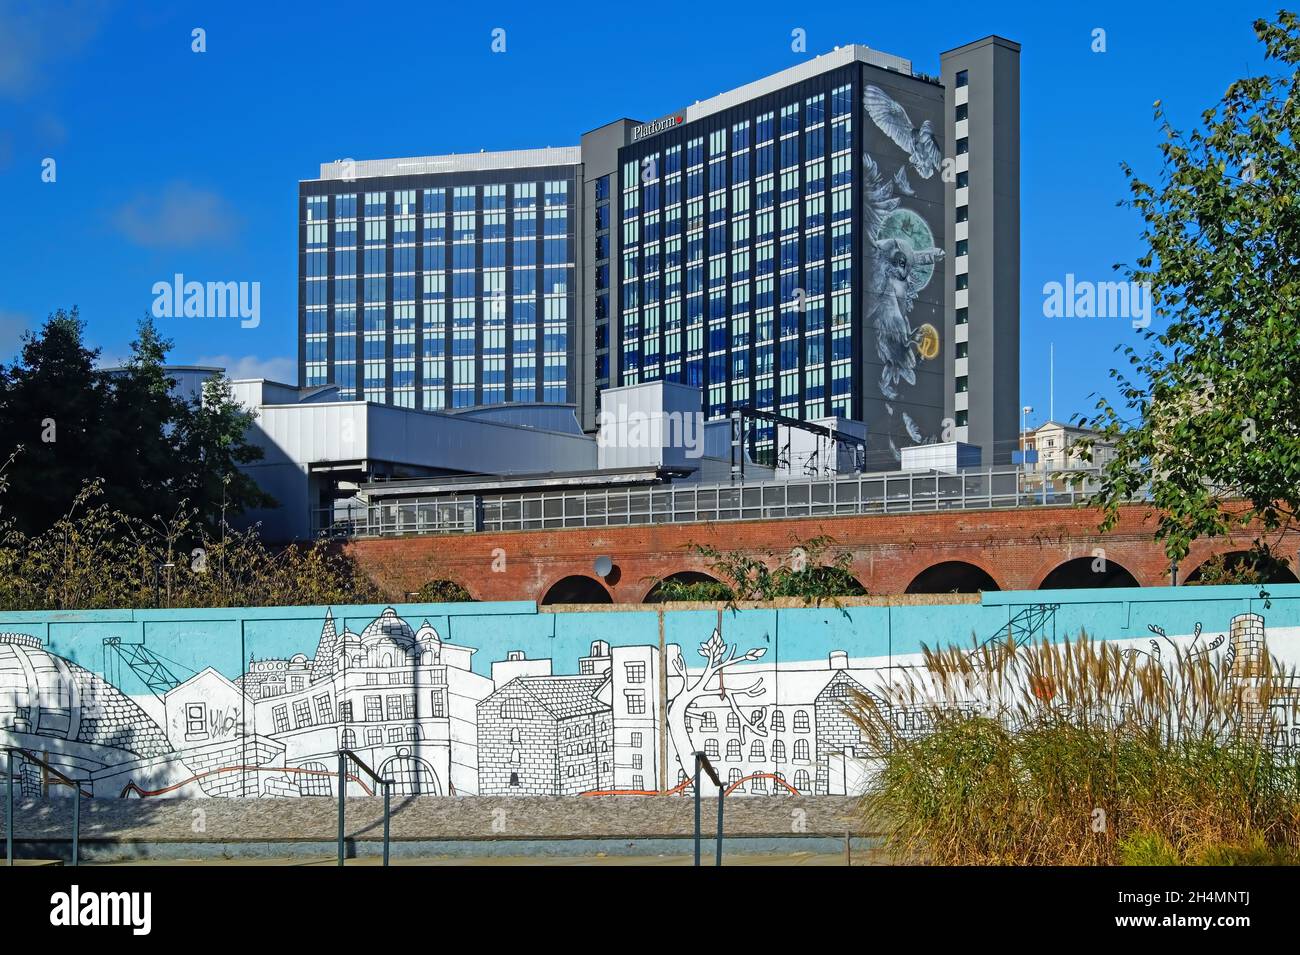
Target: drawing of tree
x=708, y=682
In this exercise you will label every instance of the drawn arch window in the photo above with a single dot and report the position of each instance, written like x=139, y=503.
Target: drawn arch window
x=778, y=721
x=733, y=749
x=514, y=734
x=733, y=723
x=514, y=779
x=801, y=749
x=778, y=751
x=411, y=776
x=711, y=748
x=516, y=709
x=426, y=658
x=386, y=660
x=756, y=750
x=349, y=739
x=514, y=757
x=315, y=781
x=801, y=782
x=801, y=724
x=733, y=777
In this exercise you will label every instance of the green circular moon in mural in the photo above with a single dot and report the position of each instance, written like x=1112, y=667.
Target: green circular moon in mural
x=909, y=226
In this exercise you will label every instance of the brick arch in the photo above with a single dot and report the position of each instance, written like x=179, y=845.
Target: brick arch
x=965, y=559
x=1114, y=568
x=701, y=575
x=561, y=578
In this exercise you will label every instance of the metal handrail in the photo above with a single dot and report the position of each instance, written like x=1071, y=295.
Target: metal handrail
x=702, y=762
x=62, y=779
x=344, y=756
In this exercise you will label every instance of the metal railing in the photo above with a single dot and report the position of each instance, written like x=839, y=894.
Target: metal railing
x=60, y=779
x=386, y=784
x=884, y=493
x=702, y=762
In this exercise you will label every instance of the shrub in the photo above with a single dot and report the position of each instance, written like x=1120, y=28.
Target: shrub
x=1079, y=753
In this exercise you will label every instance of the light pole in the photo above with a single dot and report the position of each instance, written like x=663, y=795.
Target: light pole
x=1024, y=431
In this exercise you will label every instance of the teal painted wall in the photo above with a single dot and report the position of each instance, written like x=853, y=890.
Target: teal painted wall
x=192, y=711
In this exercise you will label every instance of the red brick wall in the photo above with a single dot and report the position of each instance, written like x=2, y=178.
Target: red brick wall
x=1017, y=548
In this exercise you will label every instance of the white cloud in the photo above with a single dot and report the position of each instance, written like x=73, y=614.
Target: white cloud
x=34, y=37
x=12, y=326
x=178, y=216
x=251, y=366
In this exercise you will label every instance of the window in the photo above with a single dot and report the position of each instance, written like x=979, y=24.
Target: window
x=778, y=721
x=733, y=750
x=963, y=213
x=963, y=146
x=324, y=709
x=280, y=715
x=374, y=711
x=961, y=112
x=961, y=80
x=801, y=751
x=961, y=384
x=963, y=247
x=635, y=672
x=778, y=751
x=801, y=781
x=636, y=739
x=801, y=724
x=515, y=709
x=635, y=702
x=514, y=779
x=711, y=748
x=195, y=722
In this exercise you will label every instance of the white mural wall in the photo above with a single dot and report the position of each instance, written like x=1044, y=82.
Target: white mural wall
x=409, y=704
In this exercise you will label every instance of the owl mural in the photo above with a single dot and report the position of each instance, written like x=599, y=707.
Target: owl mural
x=901, y=256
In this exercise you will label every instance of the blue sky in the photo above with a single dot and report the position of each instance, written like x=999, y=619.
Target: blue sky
x=174, y=161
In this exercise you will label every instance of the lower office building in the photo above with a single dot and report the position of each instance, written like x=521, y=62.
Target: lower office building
x=839, y=240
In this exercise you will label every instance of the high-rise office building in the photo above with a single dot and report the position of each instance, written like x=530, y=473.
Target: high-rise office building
x=837, y=240
x=441, y=282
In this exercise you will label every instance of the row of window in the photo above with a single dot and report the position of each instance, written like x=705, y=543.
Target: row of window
x=404, y=202
x=375, y=708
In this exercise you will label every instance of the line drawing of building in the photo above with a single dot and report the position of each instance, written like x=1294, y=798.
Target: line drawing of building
x=411, y=706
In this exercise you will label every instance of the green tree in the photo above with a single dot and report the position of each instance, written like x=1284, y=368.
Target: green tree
x=151, y=451
x=211, y=446
x=811, y=571
x=1208, y=414
x=54, y=406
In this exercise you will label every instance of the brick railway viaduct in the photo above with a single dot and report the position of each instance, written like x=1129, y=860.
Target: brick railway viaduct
x=941, y=552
